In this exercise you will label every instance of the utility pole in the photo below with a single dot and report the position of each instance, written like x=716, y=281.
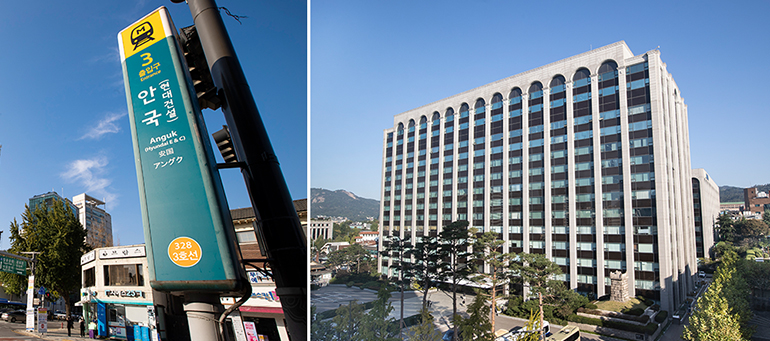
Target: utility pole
x=270, y=198
x=540, y=297
x=30, y=321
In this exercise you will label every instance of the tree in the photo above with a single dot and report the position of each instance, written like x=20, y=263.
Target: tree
x=476, y=326
x=453, y=252
x=342, y=231
x=375, y=226
x=376, y=325
x=398, y=248
x=722, y=248
x=425, y=331
x=487, y=249
x=318, y=244
x=348, y=321
x=537, y=272
x=424, y=267
x=713, y=318
x=353, y=257
x=57, y=233
x=752, y=228
x=726, y=228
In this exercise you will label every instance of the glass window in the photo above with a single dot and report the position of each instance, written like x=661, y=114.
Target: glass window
x=123, y=275
x=89, y=277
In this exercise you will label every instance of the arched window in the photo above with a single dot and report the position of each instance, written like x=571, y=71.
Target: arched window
x=608, y=66
x=449, y=114
x=436, y=116
x=464, y=108
x=557, y=84
x=423, y=122
x=515, y=93
x=582, y=77
x=480, y=106
x=497, y=101
x=400, y=126
x=534, y=88
x=411, y=123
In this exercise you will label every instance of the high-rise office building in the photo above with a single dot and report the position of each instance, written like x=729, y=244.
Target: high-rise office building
x=705, y=196
x=96, y=221
x=585, y=160
x=48, y=199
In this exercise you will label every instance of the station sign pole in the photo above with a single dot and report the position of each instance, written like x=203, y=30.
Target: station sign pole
x=188, y=232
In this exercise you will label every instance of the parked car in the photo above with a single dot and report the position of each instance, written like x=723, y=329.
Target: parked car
x=15, y=315
x=448, y=335
x=701, y=274
x=60, y=315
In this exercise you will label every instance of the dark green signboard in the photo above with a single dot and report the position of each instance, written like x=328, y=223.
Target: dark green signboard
x=13, y=265
x=187, y=228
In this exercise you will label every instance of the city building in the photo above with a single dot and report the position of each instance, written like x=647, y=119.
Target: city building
x=367, y=238
x=117, y=294
x=321, y=229
x=263, y=310
x=96, y=221
x=585, y=160
x=48, y=199
x=705, y=195
x=755, y=202
x=732, y=207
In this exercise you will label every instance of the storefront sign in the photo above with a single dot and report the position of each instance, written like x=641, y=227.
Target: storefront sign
x=88, y=257
x=181, y=194
x=124, y=293
x=258, y=277
x=123, y=252
x=251, y=331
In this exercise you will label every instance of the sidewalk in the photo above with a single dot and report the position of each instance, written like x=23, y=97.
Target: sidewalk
x=55, y=332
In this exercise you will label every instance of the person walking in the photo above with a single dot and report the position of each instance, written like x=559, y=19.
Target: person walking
x=70, y=322
x=82, y=327
x=92, y=329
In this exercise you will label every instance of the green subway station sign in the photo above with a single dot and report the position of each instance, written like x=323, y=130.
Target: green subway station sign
x=188, y=232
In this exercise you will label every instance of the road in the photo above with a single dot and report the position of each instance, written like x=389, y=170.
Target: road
x=7, y=333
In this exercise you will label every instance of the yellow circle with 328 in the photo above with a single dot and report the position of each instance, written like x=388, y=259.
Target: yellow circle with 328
x=184, y=252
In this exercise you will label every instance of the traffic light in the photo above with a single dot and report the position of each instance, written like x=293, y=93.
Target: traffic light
x=225, y=145
x=205, y=89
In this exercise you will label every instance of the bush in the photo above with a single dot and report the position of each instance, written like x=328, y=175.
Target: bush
x=314, y=286
x=374, y=285
x=650, y=328
x=591, y=306
x=662, y=315
x=634, y=311
x=349, y=284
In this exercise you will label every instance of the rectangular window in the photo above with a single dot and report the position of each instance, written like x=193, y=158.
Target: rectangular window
x=642, y=125
x=639, y=109
x=535, y=157
x=609, y=114
x=124, y=275
x=536, y=108
x=584, y=166
x=536, y=143
x=515, y=113
x=558, y=154
x=582, y=119
x=478, y=140
x=463, y=125
x=615, y=247
x=89, y=277
x=536, y=129
x=558, y=124
x=645, y=248
x=581, y=97
x=479, y=122
x=515, y=133
x=610, y=130
x=557, y=103
x=584, y=135
x=558, y=139
x=515, y=146
x=638, y=84
x=536, y=244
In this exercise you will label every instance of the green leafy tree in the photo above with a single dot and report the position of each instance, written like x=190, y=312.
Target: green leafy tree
x=713, y=318
x=453, y=252
x=476, y=326
x=342, y=231
x=375, y=226
x=354, y=257
x=59, y=236
x=752, y=228
x=723, y=248
x=320, y=329
x=487, y=250
x=425, y=330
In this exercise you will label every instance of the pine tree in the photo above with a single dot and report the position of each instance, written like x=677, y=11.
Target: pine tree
x=425, y=331
x=476, y=326
x=453, y=252
x=487, y=249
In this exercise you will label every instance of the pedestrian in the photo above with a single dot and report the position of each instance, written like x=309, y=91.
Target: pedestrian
x=70, y=321
x=463, y=299
x=82, y=327
x=92, y=329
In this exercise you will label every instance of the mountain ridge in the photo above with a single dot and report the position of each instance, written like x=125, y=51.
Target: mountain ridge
x=342, y=203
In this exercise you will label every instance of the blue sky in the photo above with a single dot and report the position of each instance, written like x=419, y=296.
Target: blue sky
x=371, y=60
x=63, y=118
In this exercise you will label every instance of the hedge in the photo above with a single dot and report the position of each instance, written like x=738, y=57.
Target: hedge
x=332, y=313
x=662, y=315
x=624, y=316
x=650, y=328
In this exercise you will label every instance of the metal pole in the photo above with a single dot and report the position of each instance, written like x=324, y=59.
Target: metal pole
x=540, y=297
x=202, y=312
x=273, y=206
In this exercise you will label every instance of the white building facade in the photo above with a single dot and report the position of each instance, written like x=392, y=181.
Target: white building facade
x=705, y=193
x=585, y=160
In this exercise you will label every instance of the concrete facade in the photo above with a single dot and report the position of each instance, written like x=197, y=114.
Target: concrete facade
x=706, y=207
x=321, y=229
x=530, y=156
x=95, y=219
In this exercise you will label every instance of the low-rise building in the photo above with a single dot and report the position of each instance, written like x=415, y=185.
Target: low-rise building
x=321, y=229
x=367, y=238
x=755, y=202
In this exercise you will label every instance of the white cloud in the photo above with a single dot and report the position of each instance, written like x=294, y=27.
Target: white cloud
x=107, y=125
x=89, y=173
